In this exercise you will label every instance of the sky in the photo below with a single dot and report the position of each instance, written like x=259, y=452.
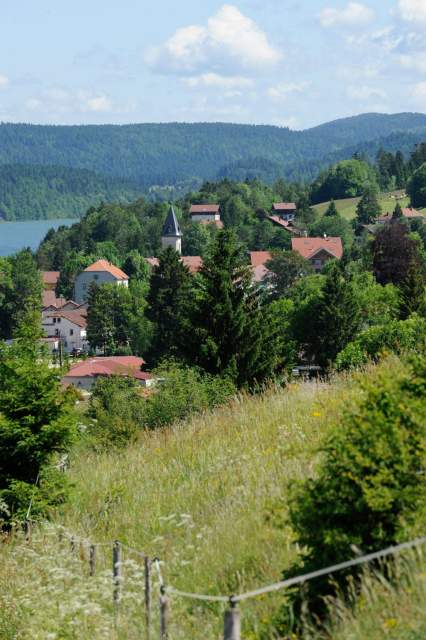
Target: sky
x=282, y=62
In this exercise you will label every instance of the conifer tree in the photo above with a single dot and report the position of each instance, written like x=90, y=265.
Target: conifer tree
x=331, y=210
x=169, y=303
x=368, y=208
x=397, y=212
x=230, y=333
x=336, y=317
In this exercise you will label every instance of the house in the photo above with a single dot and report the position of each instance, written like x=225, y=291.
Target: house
x=284, y=210
x=194, y=263
x=83, y=375
x=101, y=272
x=258, y=260
x=171, y=235
x=407, y=213
x=206, y=214
x=50, y=280
x=67, y=326
x=318, y=250
x=49, y=299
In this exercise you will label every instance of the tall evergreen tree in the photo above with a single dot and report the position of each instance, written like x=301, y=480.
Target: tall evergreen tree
x=230, y=333
x=395, y=252
x=331, y=210
x=368, y=208
x=109, y=318
x=169, y=303
x=397, y=212
x=336, y=317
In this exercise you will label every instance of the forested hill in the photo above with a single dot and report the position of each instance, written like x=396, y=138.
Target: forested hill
x=47, y=192
x=148, y=156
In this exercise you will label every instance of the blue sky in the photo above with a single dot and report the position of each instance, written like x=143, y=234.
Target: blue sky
x=284, y=62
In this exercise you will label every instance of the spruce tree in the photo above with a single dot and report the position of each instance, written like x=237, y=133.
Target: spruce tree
x=331, y=210
x=169, y=303
x=336, y=317
x=368, y=208
x=231, y=334
x=397, y=212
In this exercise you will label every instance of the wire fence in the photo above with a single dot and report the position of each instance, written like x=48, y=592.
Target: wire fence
x=166, y=593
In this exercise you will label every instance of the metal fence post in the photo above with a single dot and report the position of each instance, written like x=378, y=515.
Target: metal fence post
x=116, y=571
x=232, y=622
x=147, y=564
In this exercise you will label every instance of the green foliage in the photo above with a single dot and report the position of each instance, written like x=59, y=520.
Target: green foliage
x=169, y=305
x=31, y=192
x=117, y=410
x=347, y=179
x=229, y=333
x=184, y=391
x=35, y=424
x=285, y=269
x=370, y=483
x=397, y=336
x=333, y=226
x=20, y=295
x=378, y=304
x=368, y=208
x=331, y=210
x=416, y=187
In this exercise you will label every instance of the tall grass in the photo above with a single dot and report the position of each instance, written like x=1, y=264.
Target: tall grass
x=208, y=497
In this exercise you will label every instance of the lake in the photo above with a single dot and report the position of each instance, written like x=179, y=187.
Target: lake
x=29, y=233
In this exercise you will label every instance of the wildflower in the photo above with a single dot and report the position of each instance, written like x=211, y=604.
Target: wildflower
x=390, y=623
x=316, y=414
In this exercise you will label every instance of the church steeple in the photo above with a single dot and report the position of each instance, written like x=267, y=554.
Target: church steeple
x=171, y=235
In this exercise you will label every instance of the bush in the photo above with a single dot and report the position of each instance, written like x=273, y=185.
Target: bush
x=396, y=336
x=184, y=391
x=370, y=485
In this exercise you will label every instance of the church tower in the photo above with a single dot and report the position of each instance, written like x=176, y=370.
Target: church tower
x=171, y=235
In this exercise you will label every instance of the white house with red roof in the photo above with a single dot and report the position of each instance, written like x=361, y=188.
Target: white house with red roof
x=67, y=326
x=206, y=214
x=318, y=250
x=258, y=260
x=407, y=213
x=101, y=272
x=83, y=375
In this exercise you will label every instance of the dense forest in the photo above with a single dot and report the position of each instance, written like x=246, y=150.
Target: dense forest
x=47, y=192
x=166, y=160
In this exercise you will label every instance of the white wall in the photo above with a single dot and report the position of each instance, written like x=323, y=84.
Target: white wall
x=72, y=335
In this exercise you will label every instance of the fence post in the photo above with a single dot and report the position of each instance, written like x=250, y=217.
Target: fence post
x=147, y=563
x=116, y=571
x=27, y=530
x=164, y=614
x=92, y=560
x=232, y=622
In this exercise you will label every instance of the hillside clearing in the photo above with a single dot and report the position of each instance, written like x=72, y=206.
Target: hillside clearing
x=347, y=206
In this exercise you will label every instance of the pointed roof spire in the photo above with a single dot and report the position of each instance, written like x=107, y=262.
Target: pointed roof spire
x=171, y=226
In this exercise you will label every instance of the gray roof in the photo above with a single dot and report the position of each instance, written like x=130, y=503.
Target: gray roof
x=171, y=226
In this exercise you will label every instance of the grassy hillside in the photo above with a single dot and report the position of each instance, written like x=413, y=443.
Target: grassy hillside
x=210, y=499
x=347, y=206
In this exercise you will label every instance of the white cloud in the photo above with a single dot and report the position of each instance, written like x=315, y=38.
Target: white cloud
x=384, y=40
x=228, y=42
x=416, y=61
x=363, y=93
x=413, y=10
x=419, y=92
x=217, y=81
x=282, y=90
x=354, y=13
x=99, y=104
x=4, y=81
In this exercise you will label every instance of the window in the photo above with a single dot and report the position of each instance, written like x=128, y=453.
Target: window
x=54, y=320
x=84, y=286
x=96, y=277
x=71, y=332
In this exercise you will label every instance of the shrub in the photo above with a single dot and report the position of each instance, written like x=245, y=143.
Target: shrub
x=396, y=336
x=184, y=391
x=370, y=485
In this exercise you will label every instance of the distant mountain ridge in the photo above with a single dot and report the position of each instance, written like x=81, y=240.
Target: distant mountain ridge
x=135, y=158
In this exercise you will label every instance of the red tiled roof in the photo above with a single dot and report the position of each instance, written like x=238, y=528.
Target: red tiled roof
x=104, y=265
x=282, y=223
x=50, y=277
x=76, y=317
x=284, y=206
x=194, y=263
x=309, y=247
x=108, y=366
x=408, y=212
x=49, y=299
x=258, y=258
x=204, y=208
